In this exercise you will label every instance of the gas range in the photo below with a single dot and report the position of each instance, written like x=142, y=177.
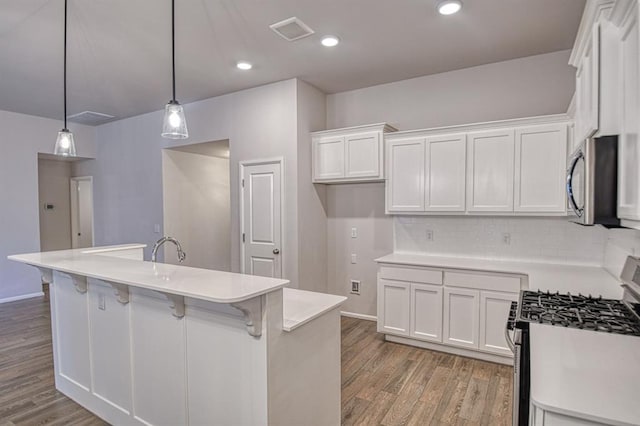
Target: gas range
x=577, y=311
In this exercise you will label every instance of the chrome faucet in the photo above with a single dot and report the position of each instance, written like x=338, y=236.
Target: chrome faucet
x=181, y=254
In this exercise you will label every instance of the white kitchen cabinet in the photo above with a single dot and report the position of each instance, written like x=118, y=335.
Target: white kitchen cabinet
x=494, y=312
x=329, y=158
x=490, y=166
x=445, y=173
x=540, y=163
x=587, y=87
x=426, y=312
x=461, y=317
x=406, y=175
x=354, y=154
x=628, y=149
x=394, y=301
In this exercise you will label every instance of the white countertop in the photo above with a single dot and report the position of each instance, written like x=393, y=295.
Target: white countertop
x=562, y=277
x=203, y=284
x=299, y=306
x=586, y=374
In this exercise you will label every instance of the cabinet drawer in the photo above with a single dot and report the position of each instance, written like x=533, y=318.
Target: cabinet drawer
x=483, y=281
x=414, y=275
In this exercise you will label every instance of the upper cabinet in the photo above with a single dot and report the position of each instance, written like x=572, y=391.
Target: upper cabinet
x=353, y=154
x=515, y=167
x=490, y=171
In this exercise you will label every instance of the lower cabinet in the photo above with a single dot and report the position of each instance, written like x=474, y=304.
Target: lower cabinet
x=461, y=317
x=426, y=312
x=394, y=299
x=469, y=315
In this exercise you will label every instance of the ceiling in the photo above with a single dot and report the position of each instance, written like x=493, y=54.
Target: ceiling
x=119, y=50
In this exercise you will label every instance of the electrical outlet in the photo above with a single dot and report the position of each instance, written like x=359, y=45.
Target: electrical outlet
x=102, y=305
x=355, y=287
x=506, y=238
x=429, y=235
x=354, y=258
x=354, y=232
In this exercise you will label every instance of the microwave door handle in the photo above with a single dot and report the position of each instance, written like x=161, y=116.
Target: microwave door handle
x=572, y=201
x=507, y=337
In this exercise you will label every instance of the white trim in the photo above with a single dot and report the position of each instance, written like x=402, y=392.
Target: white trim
x=359, y=316
x=470, y=353
x=21, y=297
x=380, y=127
x=283, y=244
x=593, y=10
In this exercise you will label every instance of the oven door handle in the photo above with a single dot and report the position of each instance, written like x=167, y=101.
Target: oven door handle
x=507, y=337
x=572, y=200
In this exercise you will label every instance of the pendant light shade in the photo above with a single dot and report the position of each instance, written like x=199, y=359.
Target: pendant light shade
x=65, y=145
x=174, y=125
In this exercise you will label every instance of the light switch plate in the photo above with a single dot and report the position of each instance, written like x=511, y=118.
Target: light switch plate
x=354, y=258
x=354, y=232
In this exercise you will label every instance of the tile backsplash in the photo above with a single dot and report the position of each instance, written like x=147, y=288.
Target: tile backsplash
x=523, y=238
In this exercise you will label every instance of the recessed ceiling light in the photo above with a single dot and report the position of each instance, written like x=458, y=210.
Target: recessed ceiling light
x=449, y=7
x=244, y=65
x=330, y=41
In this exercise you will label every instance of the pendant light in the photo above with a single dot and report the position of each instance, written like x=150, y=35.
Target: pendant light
x=174, y=125
x=65, y=145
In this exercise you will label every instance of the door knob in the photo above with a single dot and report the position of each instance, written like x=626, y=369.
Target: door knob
x=276, y=251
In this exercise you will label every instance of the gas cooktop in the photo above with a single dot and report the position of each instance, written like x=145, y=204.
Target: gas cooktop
x=578, y=311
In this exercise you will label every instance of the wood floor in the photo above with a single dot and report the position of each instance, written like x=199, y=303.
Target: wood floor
x=382, y=383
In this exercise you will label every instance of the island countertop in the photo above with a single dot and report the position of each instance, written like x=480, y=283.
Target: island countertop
x=203, y=284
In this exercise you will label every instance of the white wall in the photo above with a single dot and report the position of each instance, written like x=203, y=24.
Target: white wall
x=53, y=188
x=259, y=123
x=197, y=210
x=535, y=85
x=538, y=239
x=312, y=199
x=360, y=206
x=24, y=137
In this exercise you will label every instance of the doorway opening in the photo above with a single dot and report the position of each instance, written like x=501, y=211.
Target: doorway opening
x=197, y=204
x=65, y=204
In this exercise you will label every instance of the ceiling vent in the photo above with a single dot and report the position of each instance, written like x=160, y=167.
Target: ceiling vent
x=291, y=29
x=90, y=118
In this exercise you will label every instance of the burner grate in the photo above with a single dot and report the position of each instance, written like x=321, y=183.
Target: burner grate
x=583, y=312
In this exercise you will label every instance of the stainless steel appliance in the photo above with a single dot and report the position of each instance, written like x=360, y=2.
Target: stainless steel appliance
x=592, y=182
x=566, y=310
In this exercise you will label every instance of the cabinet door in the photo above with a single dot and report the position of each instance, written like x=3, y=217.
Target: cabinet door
x=405, y=175
x=394, y=303
x=445, y=173
x=494, y=312
x=426, y=312
x=461, y=317
x=587, y=88
x=490, y=171
x=541, y=157
x=362, y=153
x=628, y=149
x=328, y=158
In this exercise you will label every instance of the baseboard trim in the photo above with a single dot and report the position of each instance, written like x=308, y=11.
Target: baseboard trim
x=450, y=349
x=21, y=297
x=359, y=316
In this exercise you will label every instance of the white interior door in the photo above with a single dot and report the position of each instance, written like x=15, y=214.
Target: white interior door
x=82, y=212
x=261, y=219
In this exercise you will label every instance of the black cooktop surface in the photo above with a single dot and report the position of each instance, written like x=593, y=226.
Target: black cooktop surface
x=578, y=311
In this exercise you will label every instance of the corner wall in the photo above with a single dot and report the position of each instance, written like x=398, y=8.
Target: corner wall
x=19, y=216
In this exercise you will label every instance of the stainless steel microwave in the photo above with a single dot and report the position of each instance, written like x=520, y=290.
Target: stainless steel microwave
x=592, y=182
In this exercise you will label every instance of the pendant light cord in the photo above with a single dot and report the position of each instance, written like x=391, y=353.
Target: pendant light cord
x=65, y=64
x=173, y=46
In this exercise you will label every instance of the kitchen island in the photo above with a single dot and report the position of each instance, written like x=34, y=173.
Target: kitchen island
x=143, y=343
